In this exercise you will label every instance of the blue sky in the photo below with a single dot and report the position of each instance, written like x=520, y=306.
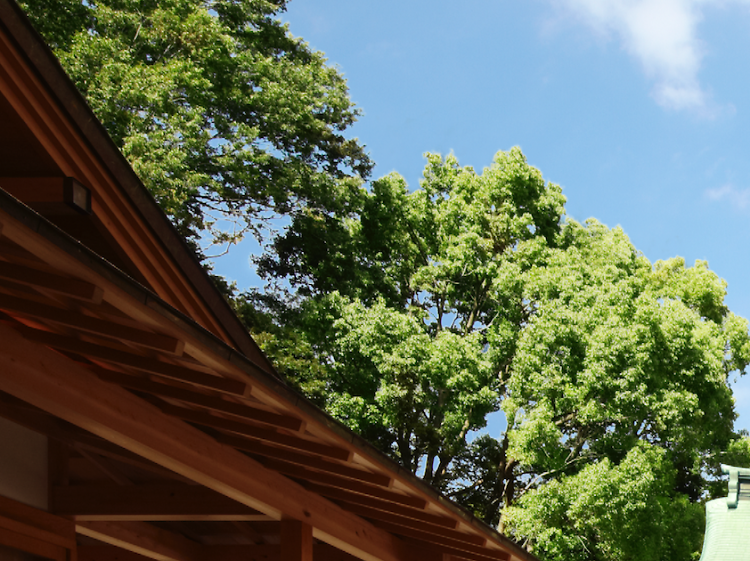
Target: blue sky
x=639, y=109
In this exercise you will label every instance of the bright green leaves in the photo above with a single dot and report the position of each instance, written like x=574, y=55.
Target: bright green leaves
x=475, y=224
x=226, y=117
x=697, y=287
x=428, y=391
x=432, y=308
x=738, y=345
x=611, y=512
x=610, y=344
x=617, y=354
x=428, y=300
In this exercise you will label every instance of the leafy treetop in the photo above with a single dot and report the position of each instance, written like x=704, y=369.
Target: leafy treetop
x=225, y=116
x=430, y=309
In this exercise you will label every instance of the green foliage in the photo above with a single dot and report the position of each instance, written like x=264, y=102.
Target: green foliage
x=412, y=315
x=272, y=327
x=625, y=512
x=428, y=391
x=401, y=292
x=59, y=20
x=225, y=116
x=430, y=309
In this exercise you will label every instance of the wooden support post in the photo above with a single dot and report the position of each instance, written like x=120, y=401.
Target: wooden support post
x=296, y=541
x=58, y=456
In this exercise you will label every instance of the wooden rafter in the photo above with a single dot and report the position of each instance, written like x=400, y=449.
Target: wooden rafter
x=259, y=449
x=349, y=484
x=351, y=498
x=356, y=475
x=210, y=402
x=254, y=431
x=138, y=362
x=448, y=544
x=81, y=322
x=144, y=539
x=67, y=286
x=419, y=525
x=152, y=502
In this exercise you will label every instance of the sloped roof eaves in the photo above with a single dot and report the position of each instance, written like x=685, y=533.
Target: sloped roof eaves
x=50, y=73
x=256, y=372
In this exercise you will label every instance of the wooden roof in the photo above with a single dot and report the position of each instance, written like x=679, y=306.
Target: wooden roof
x=172, y=437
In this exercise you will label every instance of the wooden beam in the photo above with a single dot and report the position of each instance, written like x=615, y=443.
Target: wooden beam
x=269, y=435
x=144, y=539
x=34, y=531
x=151, y=502
x=28, y=520
x=381, y=504
x=107, y=553
x=321, y=552
x=64, y=388
x=202, y=400
x=444, y=543
x=296, y=541
x=357, y=475
x=333, y=480
x=257, y=448
x=30, y=543
x=70, y=435
x=124, y=358
x=406, y=522
x=74, y=288
x=105, y=466
x=94, y=325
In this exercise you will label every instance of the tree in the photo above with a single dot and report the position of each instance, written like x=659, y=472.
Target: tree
x=227, y=118
x=625, y=511
x=434, y=307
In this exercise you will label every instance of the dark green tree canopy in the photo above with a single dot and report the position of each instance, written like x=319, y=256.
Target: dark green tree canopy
x=225, y=116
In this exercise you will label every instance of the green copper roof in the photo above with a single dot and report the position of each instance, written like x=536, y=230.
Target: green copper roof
x=728, y=520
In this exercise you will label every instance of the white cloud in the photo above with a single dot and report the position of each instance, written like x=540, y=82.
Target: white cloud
x=662, y=36
x=737, y=198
